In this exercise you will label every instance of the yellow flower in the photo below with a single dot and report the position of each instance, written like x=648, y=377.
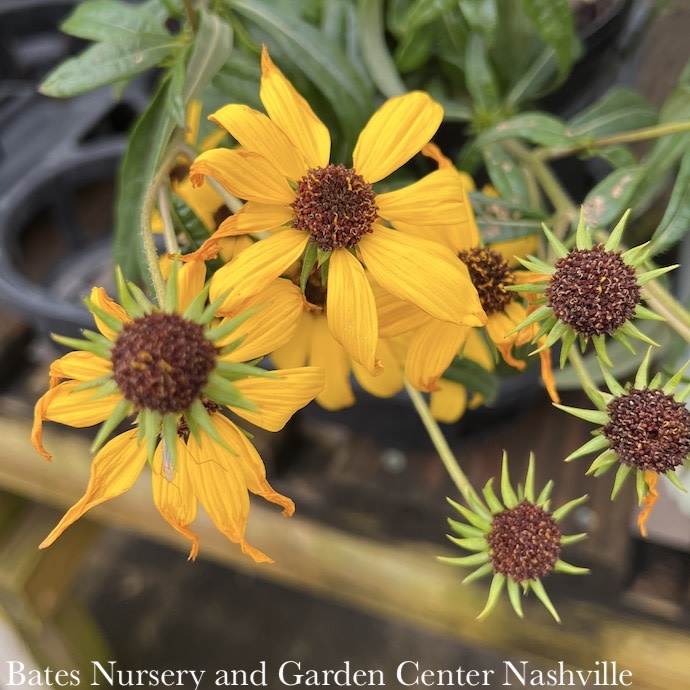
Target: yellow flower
x=174, y=370
x=330, y=215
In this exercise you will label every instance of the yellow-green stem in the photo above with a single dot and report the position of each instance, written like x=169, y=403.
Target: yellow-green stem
x=664, y=304
x=169, y=235
x=148, y=239
x=191, y=17
x=581, y=372
x=442, y=448
x=624, y=138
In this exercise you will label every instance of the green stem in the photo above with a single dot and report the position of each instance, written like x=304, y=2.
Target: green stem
x=578, y=365
x=664, y=304
x=441, y=445
x=624, y=138
x=169, y=235
x=191, y=16
x=148, y=239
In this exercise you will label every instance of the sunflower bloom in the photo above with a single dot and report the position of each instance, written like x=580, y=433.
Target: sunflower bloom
x=644, y=431
x=172, y=371
x=329, y=215
x=516, y=538
x=593, y=291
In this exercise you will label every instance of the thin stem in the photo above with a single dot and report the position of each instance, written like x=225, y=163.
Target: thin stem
x=442, y=448
x=148, y=239
x=624, y=138
x=191, y=17
x=169, y=235
x=578, y=365
x=664, y=304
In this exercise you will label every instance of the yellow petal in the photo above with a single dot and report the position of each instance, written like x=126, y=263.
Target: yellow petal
x=396, y=132
x=256, y=132
x=295, y=353
x=390, y=381
x=254, y=217
x=293, y=114
x=351, y=309
x=520, y=247
x=245, y=174
x=500, y=325
x=193, y=118
x=424, y=273
x=230, y=247
x=100, y=298
x=273, y=325
x=432, y=349
x=80, y=366
x=436, y=199
x=277, y=399
x=250, y=464
x=477, y=349
x=221, y=489
x=205, y=201
x=175, y=499
x=448, y=402
x=191, y=277
x=329, y=355
x=77, y=408
x=113, y=472
x=258, y=266
x=396, y=316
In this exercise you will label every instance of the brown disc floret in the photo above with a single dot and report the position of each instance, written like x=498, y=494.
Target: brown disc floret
x=490, y=274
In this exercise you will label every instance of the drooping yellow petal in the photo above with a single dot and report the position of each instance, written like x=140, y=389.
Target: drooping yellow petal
x=424, y=273
x=499, y=327
x=448, y=402
x=650, y=478
x=255, y=218
x=277, y=399
x=245, y=174
x=193, y=119
x=230, y=247
x=519, y=247
x=281, y=305
x=256, y=132
x=396, y=132
x=99, y=297
x=293, y=114
x=432, y=349
x=396, y=316
x=220, y=487
x=80, y=366
x=77, y=408
x=258, y=266
x=250, y=464
x=477, y=349
x=329, y=355
x=113, y=472
x=191, y=277
x=175, y=499
x=351, y=309
x=390, y=381
x=436, y=199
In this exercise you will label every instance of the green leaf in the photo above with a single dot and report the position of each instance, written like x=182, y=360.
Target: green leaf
x=479, y=75
x=209, y=51
x=609, y=199
x=322, y=63
x=506, y=175
x=147, y=142
x=414, y=50
x=676, y=221
x=423, y=12
x=553, y=21
x=620, y=110
x=236, y=82
x=112, y=21
x=481, y=16
x=617, y=156
x=107, y=63
x=537, y=128
x=667, y=150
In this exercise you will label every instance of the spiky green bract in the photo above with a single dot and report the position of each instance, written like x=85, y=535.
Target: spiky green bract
x=607, y=458
x=474, y=532
x=552, y=328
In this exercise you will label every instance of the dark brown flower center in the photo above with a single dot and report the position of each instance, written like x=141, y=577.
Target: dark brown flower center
x=648, y=429
x=525, y=542
x=183, y=427
x=335, y=205
x=490, y=274
x=162, y=362
x=593, y=290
